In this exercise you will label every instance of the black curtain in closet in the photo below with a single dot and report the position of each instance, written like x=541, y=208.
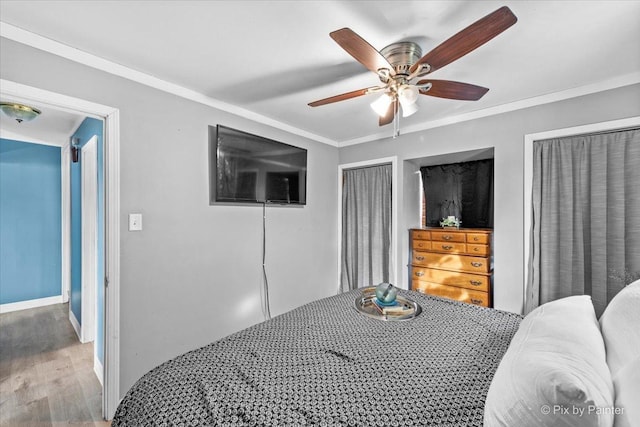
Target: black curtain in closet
x=464, y=190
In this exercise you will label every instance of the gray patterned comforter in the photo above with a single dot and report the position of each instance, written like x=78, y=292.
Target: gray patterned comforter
x=325, y=364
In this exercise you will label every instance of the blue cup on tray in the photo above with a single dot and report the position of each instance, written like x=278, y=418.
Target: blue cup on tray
x=386, y=294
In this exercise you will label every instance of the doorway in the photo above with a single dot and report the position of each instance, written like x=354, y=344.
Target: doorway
x=379, y=247
x=601, y=277
x=110, y=115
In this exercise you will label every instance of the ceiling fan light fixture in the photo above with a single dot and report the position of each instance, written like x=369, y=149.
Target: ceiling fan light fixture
x=408, y=95
x=19, y=112
x=381, y=105
x=409, y=109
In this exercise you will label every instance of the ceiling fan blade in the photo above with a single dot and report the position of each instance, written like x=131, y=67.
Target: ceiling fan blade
x=389, y=115
x=453, y=90
x=341, y=97
x=361, y=50
x=465, y=41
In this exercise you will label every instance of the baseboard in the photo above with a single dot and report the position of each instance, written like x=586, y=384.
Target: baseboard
x=97, y=368
x=32, y=303
x=75, y=324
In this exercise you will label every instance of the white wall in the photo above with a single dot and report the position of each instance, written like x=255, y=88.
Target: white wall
x=194, y=274
x=504, y=132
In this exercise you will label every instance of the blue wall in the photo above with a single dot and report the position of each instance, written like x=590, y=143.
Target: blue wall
x=84, y=133
x=30, y=221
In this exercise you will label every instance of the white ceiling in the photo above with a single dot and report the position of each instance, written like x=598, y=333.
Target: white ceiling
x=269, y=59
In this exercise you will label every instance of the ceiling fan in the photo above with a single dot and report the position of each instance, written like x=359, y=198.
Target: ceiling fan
x=400, y=64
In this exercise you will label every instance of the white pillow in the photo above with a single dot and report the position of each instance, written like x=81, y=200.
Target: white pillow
x=620, y=324
x=627, y=385
x=554, y=372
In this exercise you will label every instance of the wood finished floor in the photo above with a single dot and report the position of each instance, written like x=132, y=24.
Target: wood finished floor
x=46, y=374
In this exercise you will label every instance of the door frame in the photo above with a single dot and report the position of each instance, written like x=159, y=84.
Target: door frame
x=529, y=139
x=393, y=274
x=111, y=118
x=65, y=179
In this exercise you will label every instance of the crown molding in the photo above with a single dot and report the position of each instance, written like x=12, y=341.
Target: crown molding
x=37, y=41
x=613, y=83
x=51, y=46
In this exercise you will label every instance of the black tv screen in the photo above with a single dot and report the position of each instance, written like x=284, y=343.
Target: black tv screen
x=251, y=169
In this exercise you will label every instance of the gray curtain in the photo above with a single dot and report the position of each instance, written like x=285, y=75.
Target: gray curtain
x=366, y=226
x=585, y=236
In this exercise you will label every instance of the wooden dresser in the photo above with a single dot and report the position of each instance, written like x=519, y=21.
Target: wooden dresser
x=452, y=263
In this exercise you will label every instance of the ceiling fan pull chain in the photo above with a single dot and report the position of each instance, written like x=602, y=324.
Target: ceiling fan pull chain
x=396, y=122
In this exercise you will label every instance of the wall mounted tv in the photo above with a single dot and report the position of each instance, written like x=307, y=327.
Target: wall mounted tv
x=248, y=168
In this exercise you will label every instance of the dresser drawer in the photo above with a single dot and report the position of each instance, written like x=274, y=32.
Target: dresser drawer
x=449, y=247
x=451, y=262
x=448, y=236
x=477, y=249
x=480, y=238
x=420, y=258
x=476, y=282
x=421, y=245
x=421, y=235
x=452, y=292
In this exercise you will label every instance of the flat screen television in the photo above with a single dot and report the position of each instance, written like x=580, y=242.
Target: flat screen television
x=247, y=168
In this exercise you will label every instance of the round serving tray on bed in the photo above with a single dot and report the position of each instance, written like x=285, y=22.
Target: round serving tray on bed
x=366, y=305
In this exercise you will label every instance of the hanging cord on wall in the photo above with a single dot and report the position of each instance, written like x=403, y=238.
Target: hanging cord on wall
x=266, y=309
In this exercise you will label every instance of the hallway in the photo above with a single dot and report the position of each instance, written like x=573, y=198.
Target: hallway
x=46, y=374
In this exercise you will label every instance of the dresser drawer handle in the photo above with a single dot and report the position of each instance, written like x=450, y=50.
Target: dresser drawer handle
x=475, y=239
x=447, y=247
x=446, y=237
x=476, y=264
x=476, y=249
x=476, y=301
x=419, y=273
x=420, y=258
x=475, y=282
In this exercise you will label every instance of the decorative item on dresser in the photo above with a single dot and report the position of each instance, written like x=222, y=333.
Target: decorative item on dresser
x=452, y=263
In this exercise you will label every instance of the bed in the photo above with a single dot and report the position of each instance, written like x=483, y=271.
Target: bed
x=326, y=364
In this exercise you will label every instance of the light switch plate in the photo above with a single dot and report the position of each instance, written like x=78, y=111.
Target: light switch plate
x=135, y=222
